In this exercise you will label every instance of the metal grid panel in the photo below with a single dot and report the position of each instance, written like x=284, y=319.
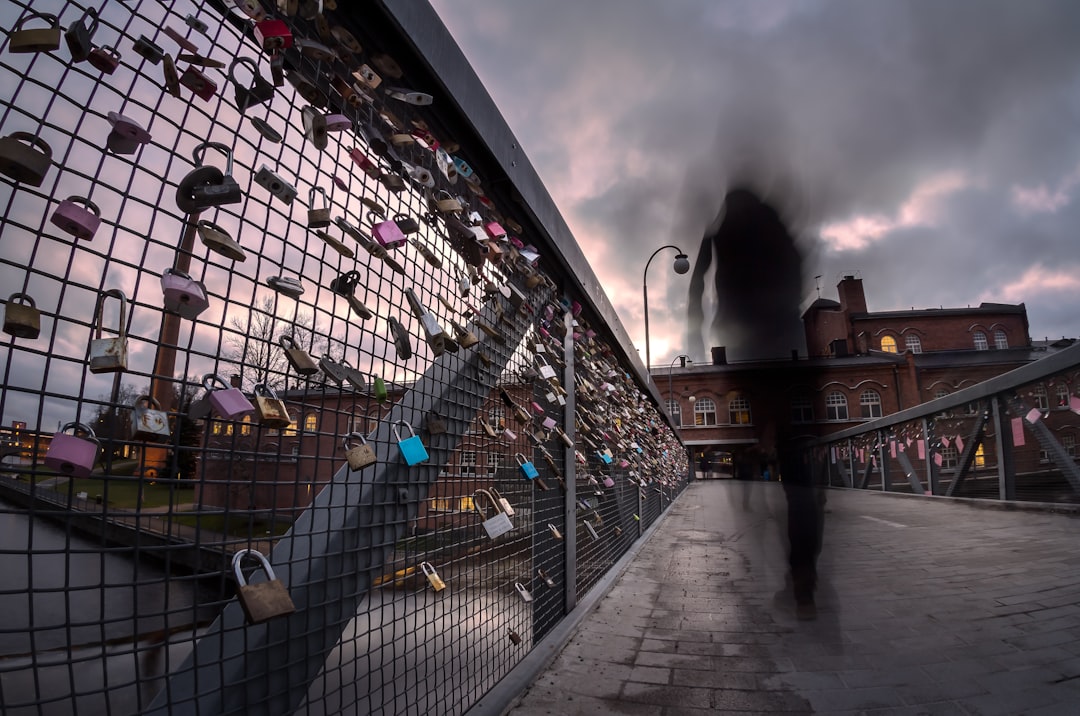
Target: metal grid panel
x=120, y=588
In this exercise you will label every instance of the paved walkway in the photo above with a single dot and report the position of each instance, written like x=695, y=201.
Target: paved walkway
x=925, y=606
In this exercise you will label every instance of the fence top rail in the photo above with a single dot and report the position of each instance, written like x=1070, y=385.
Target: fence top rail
x=1036, y=370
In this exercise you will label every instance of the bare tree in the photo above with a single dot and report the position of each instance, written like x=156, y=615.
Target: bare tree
x=252, y=344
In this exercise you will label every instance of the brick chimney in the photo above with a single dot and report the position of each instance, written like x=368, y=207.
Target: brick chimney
x=852, y=298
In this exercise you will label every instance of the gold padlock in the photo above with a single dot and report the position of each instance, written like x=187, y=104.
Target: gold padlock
x=298, y=358
x=358, y=456
x=149, y=421
x=270, y=410
x=318, y=217
x=25, y=158
x=446, y=204
x=266, y=600
x=109, y=355
x=433, y=577
x=38, y=39
x=217, y=239
x=22, y=319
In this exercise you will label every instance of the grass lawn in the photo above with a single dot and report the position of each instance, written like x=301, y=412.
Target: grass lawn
x=124, y=492
x=241, y=526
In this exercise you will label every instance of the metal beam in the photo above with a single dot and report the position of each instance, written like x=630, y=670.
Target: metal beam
x=1061, y=459
x=1003, y=444
x=968, y=456
x=883, y=464
x=909, y=472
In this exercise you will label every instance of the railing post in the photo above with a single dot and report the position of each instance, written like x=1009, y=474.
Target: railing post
x=931, y=473
x=851, y=463
x=1003, y=444
x=886, y=483
x=570, y=467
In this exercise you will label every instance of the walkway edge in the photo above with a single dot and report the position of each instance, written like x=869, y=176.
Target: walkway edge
x=507, y=693
x=1061, y=508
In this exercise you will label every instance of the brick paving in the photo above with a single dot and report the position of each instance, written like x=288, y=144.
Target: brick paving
x=925, y=606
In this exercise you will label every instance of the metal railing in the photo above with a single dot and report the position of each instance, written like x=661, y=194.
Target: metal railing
x=472, y=320
x=1012, y=437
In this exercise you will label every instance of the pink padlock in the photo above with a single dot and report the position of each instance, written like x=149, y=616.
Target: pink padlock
x=517, y=243
x=608, y=482
x=495, y=231
x=549, y=423
x=537, y=408
x=77, y=216
x=370, y=168
x=73, y=455
x=273, y=35
x=509, y=434
x=338, y=123
x=183, y=294
x=228, y=402
x=388, y=234
x=104, y=59
x=203, y=87
x=340, y=183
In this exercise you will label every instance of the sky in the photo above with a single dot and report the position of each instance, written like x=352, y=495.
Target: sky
x=931, y=148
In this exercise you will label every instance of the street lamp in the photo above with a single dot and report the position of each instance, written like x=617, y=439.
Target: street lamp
x=681, y=266
x=671, y=395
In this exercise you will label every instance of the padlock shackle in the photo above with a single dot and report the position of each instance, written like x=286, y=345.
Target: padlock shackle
x=397, y=433
x=74, y=425
x=351, y=436
x=237, y=564
x=92, y=13
x=87, y=203
x=520, y=459
x=427, y=569
x=149, y=400
x=199, y=152
x=211, y=225
x=47, y=17
x=100, y=308
x=311, y=197
x=264, y=390
x=24, y=298
x=210, y=379
x=247, y=62
x=491, y=499
x=291, y=339
x=34, y=141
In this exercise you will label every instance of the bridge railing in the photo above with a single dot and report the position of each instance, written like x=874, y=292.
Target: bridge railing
x=291, y=267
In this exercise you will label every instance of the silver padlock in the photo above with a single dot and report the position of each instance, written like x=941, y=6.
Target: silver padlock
x=433, y=332
x=318, y=217
x=277, y=186
x=314, y=126
x=148, y=420
x=358, y=456
x=499, y=523
x=298, y=358
x=109, y=355
x=523, y=592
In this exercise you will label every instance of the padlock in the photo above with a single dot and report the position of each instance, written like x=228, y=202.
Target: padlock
x=218, y=239
x=406, y=224
x=465, y=338
x=273, y=35
x=277, y=69
x=379, y=389
x=547, y=372
x=314, y=127
x=183, y=294
x=172, y=79
x=445, y=203
x=77, y=216
x=266, y=600
x=251, y=8
x=393, y=182
x=258, y=92
x=79, y=36
x=318, y=217
x=298, y=358
x=353, y=376
x=435, y=423
x=412, y=449
x=591, y=530
x=402, y=342
x=499, y=523
x=504, y=504
x=277, y=186
x=608, y=481
x=544, y=576
x=150, y=50
x=148, y=420
x=25, y=158
x=433, y=332
x=426, y=253
x=39, y=39
x=515, y=638
x=554, y=531
x=509, y=435
x=528, y=470
x=286, y=286
x=525, y=596
x=73, y=455
x=367, y=76
x=537, y=408
x=127, y=135
x=197, y=25
x=420, y=175
x=104, y=59
x=432, y=576
x=203, y=87
x=495, y=231
x=270, y=410
x=184, y=43
x=338, y=123
x=368, y=166
x=208, y=186
x=228, y=402
x=315, y=50
x=335, y=244
x=486, y=427
x=549, y=423
x=109, y=355
x=306, y=89
x=332, y=369
x=22, y=319
x=288, y=7
x=358, y=456
x=265, y=130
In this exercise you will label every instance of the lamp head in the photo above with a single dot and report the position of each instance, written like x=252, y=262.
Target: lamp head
x=682, y=263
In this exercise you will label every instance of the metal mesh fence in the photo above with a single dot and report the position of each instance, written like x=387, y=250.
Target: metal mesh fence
x=259, y=307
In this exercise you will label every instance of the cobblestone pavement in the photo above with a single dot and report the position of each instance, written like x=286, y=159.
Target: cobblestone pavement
x=925, y=606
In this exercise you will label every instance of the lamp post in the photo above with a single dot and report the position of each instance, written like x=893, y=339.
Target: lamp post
x=671, y=395
x=681, y=266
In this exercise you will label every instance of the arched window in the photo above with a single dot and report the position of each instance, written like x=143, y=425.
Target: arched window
x=836, y=406
x=888, y=344
x=1041, y=401
x=1000, y=339
x=870, y=403
x=738, y=410
x=675, y=411
x=913, y=343
x=704, y=412
x=980, y=341
x=802, y=409
x=1062, y=395
x=311, y=423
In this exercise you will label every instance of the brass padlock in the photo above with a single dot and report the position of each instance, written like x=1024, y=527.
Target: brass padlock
x=217, y=239
x=433, y=577
x=266, y=600
x=298, y=358
x=22, y=319
x=21, y=161
x=38, y=39
x=504, y=503
x=149, y=421
x=270, y=410
x=333, y=243
x=435, y=423
x=318, y=217
x=109, y=355
x=358, y=456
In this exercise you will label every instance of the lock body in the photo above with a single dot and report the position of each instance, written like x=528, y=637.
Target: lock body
x=36, y=39
x=22, y=319
x=72, y=455
x=104, y=59
x=25, y=158
x=108, y=355
x=277, y=186
x=79, y=36
x=359, y=456
x=433, y=577
x=263, y=601
x=182, y=294
x=77, y=216
x=148, y=420
x=202, y=86
x=298, y=358
x=318, y=216
x=218, y=240
x=228, y=402
x=270, y=410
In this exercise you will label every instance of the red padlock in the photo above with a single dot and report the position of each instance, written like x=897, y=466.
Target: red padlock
x=369, y=167
x=495, y=231
x=78, y=216
x=273, y=35
x=203, y=87
x=104, y=59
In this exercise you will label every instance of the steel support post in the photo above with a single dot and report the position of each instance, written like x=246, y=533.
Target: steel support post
x=1003, y=445
x=886, y=483
x=570, y=468
x=928, y=458
x=967, y=458
x=851, y=463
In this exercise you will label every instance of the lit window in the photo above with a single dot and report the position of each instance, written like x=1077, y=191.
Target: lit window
x=738, y=410
x=836, y=406
x=245, y=425
x=468, y=463
x=913, y=343
x=888, y=344
x=704, y=412
x=949, y=458
x=1000, y=339
x=439, y=504
x=311, y=423
x=802, y=409
x=674, y=411
x=1041, y=401
x=980, y=456
x=870, y=403
x=1062, y=399
x=465, y=504
x=980, y=341
x=217, y=428
x=291, y=430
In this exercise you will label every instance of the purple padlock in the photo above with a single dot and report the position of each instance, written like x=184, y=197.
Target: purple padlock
x=77, y=216
x=388, y=234
x=228, y=402
x=549, y=423
x=338, y=123
x=608, y=482
x=183, y=294
x=73, y=455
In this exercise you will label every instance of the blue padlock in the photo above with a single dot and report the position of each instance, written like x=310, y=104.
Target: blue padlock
x=604, y=455
x=412, y=449
x=528, y=470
